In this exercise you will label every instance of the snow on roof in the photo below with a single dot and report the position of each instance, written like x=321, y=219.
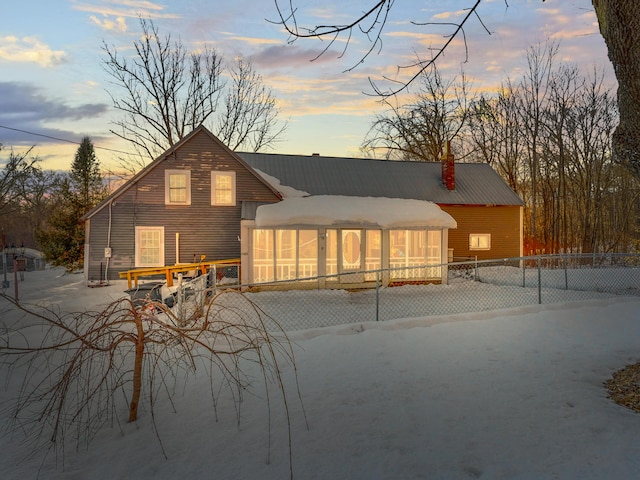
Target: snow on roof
x=285, y=190
x=338, y=209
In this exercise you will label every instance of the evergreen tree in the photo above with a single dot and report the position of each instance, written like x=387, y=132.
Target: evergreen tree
x=85, y=176
x=62, y=239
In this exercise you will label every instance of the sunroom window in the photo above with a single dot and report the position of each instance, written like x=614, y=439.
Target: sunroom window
x=410, y=250
x=284, y=254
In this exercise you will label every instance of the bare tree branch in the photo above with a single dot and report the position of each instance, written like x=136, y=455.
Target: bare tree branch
x=71, y=369
x=164, y=92
x=371, y=23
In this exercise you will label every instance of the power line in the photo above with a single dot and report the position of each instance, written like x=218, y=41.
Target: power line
x=62, y=139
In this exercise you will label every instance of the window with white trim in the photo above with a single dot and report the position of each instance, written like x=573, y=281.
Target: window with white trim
x=149, y=247
x=284, y=254
x=177, y=187
x=480, y=241
x=223, y=188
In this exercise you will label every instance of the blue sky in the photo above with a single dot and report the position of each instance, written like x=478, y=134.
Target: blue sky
x=52, y=81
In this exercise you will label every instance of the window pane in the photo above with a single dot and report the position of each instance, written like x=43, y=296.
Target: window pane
x=434, y=253
x=480, y=241
x=149, y=246
x=263, y=255
x=417, y=247
x=397, y=247
x=351, y=258
x=331, y=247
x=223, y=189
x=285, y=254
x=407, y=249
x=307, y=253
x=373, y=253
x=177, y=188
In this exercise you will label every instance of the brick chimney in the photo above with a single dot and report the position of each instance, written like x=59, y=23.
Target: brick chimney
x=448, y=168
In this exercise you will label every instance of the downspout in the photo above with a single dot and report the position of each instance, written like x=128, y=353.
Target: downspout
x=106, y=270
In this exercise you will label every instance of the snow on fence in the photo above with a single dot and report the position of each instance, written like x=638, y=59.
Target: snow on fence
x=473, y=286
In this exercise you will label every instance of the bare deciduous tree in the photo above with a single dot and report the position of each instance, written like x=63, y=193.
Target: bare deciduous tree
x=165, y=91
x=619, y=24
x=497, y=135
x=16, y=170
x=74, y=368
x=420, y=130
x=250, y=115
x=581, y=199
x=534, y=89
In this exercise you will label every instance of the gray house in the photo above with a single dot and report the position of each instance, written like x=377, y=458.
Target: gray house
x=294, y=217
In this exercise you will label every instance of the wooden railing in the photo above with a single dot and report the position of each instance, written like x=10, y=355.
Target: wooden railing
x=169, y=270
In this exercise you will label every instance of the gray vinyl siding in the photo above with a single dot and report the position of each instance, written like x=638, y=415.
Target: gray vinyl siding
x=204, y=229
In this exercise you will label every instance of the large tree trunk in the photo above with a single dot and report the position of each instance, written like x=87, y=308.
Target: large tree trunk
x=620, y=26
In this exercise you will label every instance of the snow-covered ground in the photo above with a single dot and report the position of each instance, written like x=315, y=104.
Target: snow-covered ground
x=499, y=394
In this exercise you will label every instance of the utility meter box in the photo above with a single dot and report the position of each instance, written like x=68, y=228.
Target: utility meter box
x=107, y=252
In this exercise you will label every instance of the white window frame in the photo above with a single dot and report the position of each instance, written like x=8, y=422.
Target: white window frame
x=138, y=252
x=476, y=241
x=167, y=186
x=219, y=173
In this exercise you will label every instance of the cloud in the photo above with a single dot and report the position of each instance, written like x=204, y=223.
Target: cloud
x=118, y=25
x=254, y=40
x=282, y=56
x=124, y=9
x=24, y=107
x=30, y=50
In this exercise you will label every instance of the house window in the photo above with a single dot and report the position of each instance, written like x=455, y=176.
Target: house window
x=480, y=241
x=411, y=250
x=351, y=250
x=307, y=253
x=284, y=254
x=373, y=253
x=149, y=247
x=177, y=187
x=331, y=248
x=223, y=188
x=263, y=255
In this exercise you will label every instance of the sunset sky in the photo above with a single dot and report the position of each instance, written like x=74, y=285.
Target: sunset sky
x=52, y=81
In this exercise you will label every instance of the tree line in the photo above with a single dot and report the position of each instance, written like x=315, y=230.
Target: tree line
x=547, y=133
x=43, y=209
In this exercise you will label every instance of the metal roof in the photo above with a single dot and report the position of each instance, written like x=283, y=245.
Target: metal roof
x=475, y=183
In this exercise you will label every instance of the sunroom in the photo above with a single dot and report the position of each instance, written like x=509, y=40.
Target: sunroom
x=352, y=242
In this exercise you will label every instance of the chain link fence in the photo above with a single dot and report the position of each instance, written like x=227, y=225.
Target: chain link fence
x=473, y=286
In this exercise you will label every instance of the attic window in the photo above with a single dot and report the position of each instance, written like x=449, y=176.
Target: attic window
x=223, y=188
x=480, y=241
x=177, y=187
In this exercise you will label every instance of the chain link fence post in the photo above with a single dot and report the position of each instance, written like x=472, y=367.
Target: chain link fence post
x=377, y=296
x=539, y=281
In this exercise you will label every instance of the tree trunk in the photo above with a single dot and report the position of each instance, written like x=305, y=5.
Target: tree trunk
x=620, y=27
x=137, y=369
